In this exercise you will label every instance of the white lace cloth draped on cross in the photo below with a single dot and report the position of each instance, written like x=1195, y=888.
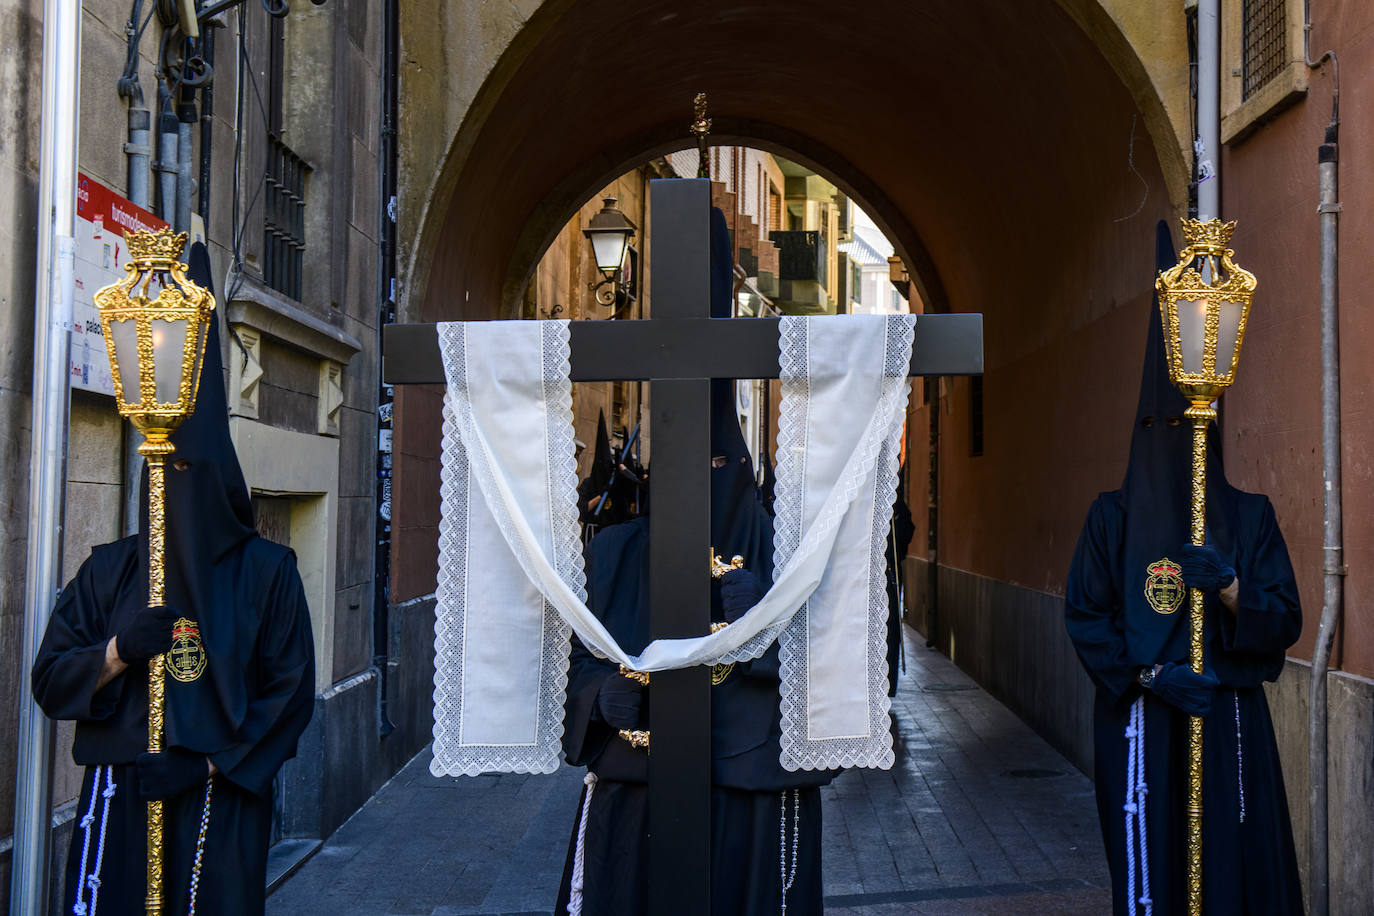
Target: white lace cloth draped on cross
x=511, y=583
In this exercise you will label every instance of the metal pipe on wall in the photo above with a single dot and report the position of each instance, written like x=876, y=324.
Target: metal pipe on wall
x=166, y=164
x=1333, y=555
x=1207, y=145
x=1333, y=562
x=54, y=280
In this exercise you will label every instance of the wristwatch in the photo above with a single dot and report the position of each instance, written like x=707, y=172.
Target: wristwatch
x=1146, y=676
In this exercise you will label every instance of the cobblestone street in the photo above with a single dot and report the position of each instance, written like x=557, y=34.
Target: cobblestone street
x=979, y=816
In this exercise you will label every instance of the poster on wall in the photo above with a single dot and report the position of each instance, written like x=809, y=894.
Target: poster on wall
x=102, y=218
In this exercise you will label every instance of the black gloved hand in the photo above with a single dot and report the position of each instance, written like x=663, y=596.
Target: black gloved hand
x=148, y=634
x=740, y=590
x=1181, y=687
x=1204, y=569
x=170, y=773
x=620, y=702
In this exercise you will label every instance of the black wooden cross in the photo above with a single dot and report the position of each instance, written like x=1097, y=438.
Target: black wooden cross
x=678, y=351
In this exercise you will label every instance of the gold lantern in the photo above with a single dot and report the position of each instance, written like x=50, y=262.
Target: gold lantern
x=1205, y=304
x=155, y=323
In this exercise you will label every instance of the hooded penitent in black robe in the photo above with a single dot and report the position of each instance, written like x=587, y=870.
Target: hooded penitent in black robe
x=749, y=784
x=898, y=542
x=245, y=709
x=1248, y=860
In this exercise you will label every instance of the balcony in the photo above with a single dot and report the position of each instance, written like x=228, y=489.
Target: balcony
x=803, y=257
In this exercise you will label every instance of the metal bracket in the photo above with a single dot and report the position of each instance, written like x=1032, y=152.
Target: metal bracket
x=1329, y=208
x=133, y=149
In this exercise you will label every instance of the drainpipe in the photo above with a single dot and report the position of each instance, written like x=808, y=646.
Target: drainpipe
x=1333, y=561
x=386, y=308
x=52, y=324
x=1207, y=145
x=186, y=117
x=933, y=519
x=139, y=150
x=207, y=117
x=166, y=164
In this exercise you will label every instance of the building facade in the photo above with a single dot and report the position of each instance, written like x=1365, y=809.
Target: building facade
x=280, y=158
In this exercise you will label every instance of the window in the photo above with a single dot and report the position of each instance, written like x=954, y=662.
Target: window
x=1262, y=66
x=283, y=220
x=1264, y=52
x=283, y=216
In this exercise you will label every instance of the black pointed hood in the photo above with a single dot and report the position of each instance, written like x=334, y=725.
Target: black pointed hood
x=209, y=519
x=739, y=524
x=1157, y=492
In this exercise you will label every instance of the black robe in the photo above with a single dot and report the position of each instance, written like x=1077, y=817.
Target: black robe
x=244, y=708
x=112, y=728
x=898, y=542
x=749, y=785
x=1249, y=865
x=748, y=781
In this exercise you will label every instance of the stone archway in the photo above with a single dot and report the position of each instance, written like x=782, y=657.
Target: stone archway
x=1024, y=179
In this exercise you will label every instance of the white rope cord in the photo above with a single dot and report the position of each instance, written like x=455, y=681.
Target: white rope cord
x=1240, y=758
x=575, y=889
x=200, y=846
x=1136, y=792
x=1142, y=790
x=79, y=907
x=93, y=879
x=786, y=875
x=1130, y=806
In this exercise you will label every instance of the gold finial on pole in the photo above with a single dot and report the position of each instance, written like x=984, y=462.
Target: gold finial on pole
x=155, y=315
x=1204, y=303
x=701, y=129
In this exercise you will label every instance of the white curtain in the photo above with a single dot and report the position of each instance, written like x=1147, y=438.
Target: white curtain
x=511, y=583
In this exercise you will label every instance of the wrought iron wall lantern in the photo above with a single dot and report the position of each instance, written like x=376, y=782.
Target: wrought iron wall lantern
x=610, y=232
x=1204, y=302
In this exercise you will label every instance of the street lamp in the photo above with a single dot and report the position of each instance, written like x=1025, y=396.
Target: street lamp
x=155, y=322
x=609, y=232
x=1204, y=301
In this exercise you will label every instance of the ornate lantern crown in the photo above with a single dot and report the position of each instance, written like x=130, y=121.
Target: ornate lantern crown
x=1205, y=304
x=155, y=320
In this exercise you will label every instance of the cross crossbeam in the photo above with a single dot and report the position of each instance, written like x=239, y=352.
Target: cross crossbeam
x=616, y=351
x=678, y=351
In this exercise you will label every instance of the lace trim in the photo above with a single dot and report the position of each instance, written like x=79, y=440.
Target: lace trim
x=463, y=469
x=878, y=457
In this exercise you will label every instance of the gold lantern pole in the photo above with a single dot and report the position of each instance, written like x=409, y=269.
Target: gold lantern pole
x=151, y=317
x=1204, y=317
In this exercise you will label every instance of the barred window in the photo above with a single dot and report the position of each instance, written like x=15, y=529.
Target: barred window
x=1266, y=43
x=283, y=223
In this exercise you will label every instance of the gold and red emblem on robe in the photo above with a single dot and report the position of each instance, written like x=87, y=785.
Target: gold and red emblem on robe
x=186, y=660
x=1164, y=587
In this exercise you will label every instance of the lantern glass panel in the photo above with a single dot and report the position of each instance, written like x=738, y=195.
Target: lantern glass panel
x=169, y=343
x=1192, y=325
x=609, y=248
x=124, y=338
x=1227, y=334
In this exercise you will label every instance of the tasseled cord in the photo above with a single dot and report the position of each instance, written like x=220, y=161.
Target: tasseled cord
x=788, y=875
x=575, y=890
x=91, y=881
x=1136, y=791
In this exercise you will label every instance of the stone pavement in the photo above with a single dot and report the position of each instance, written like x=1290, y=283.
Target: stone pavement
x=978, y=816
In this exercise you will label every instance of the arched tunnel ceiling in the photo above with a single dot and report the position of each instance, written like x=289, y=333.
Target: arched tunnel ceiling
x=991, y=136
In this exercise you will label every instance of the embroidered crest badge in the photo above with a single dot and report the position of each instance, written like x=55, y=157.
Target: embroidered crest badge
x=1164, y=587
x=186, y=660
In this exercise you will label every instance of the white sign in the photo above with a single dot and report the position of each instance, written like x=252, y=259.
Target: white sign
x=102, y=218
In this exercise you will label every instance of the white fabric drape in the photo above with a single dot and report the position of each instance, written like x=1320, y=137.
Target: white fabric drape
x=511, y=583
